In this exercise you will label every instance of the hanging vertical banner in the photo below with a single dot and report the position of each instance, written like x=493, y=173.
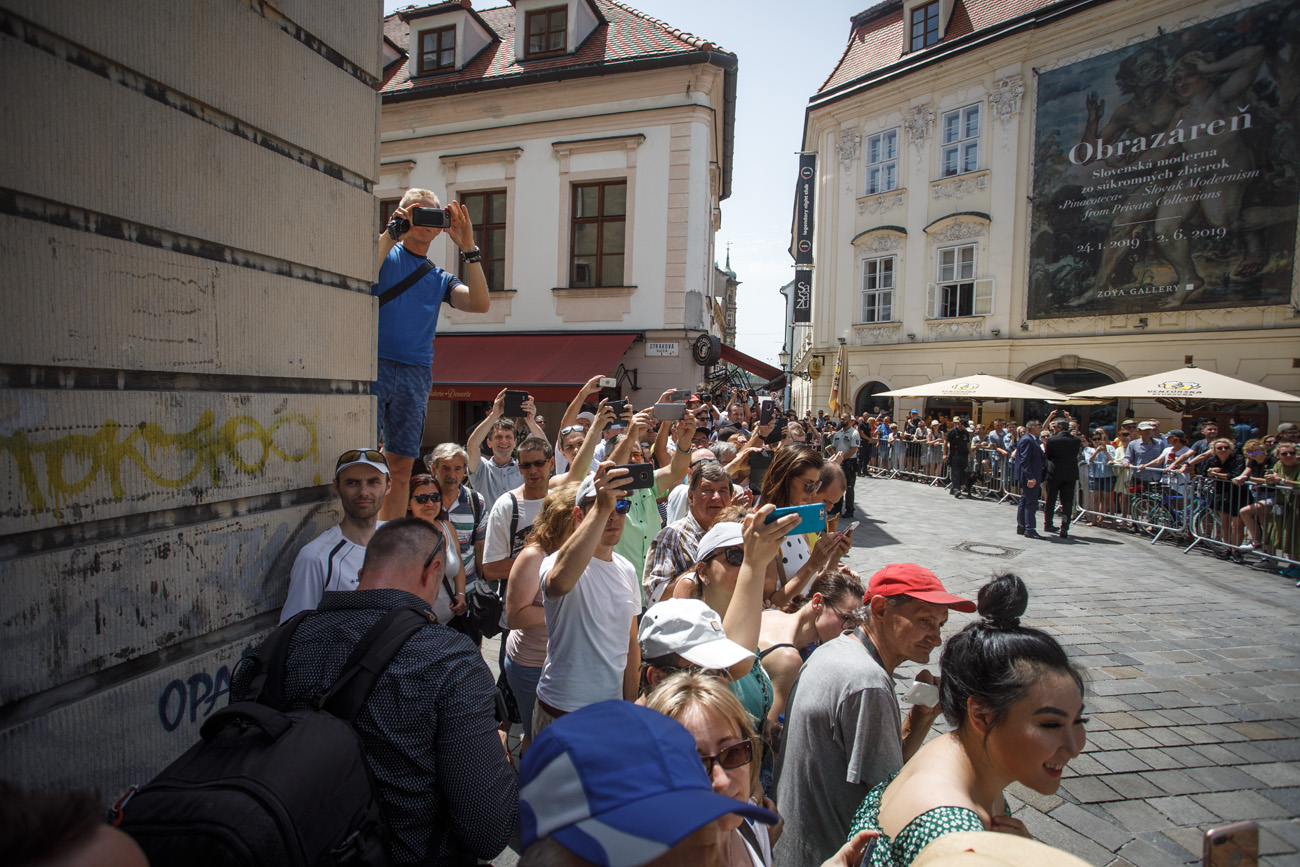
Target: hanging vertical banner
x=802, y=297
x=802, y=230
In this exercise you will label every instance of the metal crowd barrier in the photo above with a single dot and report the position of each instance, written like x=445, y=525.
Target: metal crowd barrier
x=1267, y=515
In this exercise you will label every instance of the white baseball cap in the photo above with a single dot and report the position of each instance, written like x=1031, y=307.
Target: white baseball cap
x=724, y=534
x=690, y=629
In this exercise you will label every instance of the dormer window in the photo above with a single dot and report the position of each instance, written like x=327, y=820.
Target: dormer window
x=924, y=25
x=437, y=50
x=546, y=30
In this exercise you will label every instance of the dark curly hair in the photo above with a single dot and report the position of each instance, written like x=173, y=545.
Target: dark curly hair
x=995, y=660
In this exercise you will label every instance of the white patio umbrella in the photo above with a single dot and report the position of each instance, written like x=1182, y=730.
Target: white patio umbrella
x=978, y=388
x=1189, y=389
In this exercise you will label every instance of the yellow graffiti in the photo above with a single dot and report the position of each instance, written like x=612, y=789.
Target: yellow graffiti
x=110, y=447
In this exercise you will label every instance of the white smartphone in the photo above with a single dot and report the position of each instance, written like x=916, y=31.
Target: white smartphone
x=608, y=382
x=850, y=528
x=926, y=694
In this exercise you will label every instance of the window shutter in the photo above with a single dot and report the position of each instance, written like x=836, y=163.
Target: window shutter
x=932, y=299
x=983, y=305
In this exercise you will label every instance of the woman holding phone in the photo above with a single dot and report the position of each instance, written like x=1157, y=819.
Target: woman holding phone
x=793, y=479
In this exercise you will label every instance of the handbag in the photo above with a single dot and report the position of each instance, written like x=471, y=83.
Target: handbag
x=486, y=608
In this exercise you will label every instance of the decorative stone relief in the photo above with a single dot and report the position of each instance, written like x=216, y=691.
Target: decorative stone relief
x=959, y=230
x=880, y=205
x=872, y=333
x=880, y=244
x=919, y=123
x=957, y=329
x=1005, y=100
x=960, y=188
x=847, y=147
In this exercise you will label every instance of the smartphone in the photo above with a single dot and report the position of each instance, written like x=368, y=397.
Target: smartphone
x=643, y=476
x=758, y=463
x=608, y=382
x=437, y=218
x=679, y=394
x=812, y=517
x=670, y=411
x=766, y=409
x=618, y=406
x=925, y=694
x=867, y=852
x=851, y=528
x=778, y=432
x=514, y=403
x=1235, y=845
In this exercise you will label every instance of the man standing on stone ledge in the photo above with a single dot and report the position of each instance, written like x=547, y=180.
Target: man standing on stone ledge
x=411, y=292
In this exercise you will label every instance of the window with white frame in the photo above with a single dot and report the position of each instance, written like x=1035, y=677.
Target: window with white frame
x=878, y=289
x=957, y=293
x=961, y=140
x=882, y=162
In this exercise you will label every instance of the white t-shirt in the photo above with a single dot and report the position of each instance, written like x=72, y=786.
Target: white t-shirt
x=328, y=562
x=589, y=629
x=497, y=546
x=678, y=502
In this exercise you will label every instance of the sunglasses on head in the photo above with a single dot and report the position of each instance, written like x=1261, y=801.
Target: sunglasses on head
x=573, y=428
x=734, y=556
x=352, y=455
x=734, y=756
x=425, y=499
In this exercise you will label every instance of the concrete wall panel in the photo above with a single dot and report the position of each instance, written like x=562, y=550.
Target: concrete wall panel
x=352, y=29
x=75, y=612
x=223, y=54
x=125, y=734
x=155, y=165
x=73, y=456
x=152, y=309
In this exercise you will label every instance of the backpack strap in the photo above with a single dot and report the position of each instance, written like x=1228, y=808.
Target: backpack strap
x=372, y=654
x=267, y=685
x=411, y=279
x=514, y=522
x=476, y=506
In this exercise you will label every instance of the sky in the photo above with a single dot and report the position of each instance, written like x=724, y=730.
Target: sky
x=773, y=87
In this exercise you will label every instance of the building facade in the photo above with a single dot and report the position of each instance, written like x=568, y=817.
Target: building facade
x=593, y=146
x=1069, y=193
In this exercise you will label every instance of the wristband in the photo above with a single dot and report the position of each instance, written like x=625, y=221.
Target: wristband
x=475, y=255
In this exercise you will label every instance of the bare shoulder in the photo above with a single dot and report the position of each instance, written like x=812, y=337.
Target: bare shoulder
x=933, y=778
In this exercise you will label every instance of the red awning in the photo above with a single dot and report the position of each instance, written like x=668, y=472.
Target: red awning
x=747, y=363
x=547, y=366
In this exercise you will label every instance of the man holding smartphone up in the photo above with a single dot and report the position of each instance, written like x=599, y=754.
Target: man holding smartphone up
x=411, y=291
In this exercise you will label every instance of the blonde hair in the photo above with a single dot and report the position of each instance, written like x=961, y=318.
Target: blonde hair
x=685, y=690
x=555, y=520
x=415, y=194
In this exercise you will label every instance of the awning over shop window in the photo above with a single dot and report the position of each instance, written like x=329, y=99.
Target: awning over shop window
x=550, y=367
x=749, y=363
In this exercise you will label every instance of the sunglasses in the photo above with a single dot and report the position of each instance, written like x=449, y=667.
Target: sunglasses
x=528, y=465
x=734, y=556
x=811, y=488
x=622, y=507
x=1286, y=454
x=734, y=756
x=573, y=428
x=425, y=499
x=1223, y=448
x=434, y=553
x=694, y=464
x=353, y=455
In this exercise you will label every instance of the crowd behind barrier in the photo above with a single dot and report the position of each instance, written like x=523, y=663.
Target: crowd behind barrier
x=1177, y=508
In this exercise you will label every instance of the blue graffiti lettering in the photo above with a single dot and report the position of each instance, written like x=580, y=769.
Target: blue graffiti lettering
x=204, y=690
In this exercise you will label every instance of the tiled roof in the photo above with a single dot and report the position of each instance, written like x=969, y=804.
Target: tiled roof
x=878, y=36
x=628, y=35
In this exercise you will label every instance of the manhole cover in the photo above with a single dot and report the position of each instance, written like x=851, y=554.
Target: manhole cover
x=984, y=549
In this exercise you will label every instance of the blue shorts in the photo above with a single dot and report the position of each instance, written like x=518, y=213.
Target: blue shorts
x=402, y=395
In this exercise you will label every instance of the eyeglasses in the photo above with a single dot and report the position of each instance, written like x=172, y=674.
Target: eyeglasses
x=425, y=499
x=734, y=756
x=694, y=464
x=846, y=620
x=734, y=556
x=436, y=548
x=1255, y=452
x=623, y=506
x=1286, y=454
x=811, y=488
x=353, y=455
x=573, y=428
x=528, y=465
x=1223, y=448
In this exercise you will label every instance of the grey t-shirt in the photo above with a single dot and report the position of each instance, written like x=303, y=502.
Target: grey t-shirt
x=492, y=480
x=843, y=735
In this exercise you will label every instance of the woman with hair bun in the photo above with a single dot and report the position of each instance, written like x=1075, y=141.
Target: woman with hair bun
x=1015, y=703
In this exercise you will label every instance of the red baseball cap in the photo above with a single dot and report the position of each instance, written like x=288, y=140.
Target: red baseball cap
x=916, y=581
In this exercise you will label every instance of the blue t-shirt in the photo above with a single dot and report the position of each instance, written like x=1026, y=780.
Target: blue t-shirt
x=408, y=323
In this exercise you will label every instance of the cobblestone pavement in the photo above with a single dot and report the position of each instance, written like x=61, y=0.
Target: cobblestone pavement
x=1193, y=667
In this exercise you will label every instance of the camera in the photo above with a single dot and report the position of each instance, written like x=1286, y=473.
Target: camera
x=434, y=218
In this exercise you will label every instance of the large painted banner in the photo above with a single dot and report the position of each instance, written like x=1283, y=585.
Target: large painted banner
x=1165, y=173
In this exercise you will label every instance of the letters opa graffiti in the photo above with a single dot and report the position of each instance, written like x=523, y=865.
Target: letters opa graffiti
x=241, y=444
x=182, y=699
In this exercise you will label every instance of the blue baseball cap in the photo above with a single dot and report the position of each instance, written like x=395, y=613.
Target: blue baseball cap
x=618, y=785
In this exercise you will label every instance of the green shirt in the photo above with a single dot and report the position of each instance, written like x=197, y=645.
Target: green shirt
x=640, y=527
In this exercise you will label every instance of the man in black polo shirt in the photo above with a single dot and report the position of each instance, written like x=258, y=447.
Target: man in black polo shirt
x=956, y=451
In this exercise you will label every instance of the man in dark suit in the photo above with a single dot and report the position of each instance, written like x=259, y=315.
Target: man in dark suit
x=956, y=451
x=1028, y=473
x=1062, y=456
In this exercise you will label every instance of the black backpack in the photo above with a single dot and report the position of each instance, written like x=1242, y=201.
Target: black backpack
x=272, y=787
